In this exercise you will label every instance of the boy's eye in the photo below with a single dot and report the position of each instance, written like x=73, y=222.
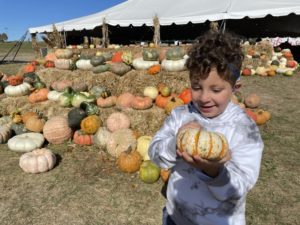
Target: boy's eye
x=195, y=88
x=217, y=90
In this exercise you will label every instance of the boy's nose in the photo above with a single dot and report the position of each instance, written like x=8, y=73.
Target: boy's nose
x=204, y=97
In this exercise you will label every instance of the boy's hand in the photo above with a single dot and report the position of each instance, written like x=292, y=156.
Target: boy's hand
x=211, y=168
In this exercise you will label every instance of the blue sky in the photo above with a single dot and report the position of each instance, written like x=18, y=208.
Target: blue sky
x=16, y=16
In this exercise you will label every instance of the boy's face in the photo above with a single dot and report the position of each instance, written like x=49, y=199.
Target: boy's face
x=212, y=95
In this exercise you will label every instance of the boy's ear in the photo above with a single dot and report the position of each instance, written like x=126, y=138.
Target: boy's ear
x=237, y=86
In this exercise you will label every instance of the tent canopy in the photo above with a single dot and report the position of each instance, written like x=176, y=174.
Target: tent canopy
x=142, y=12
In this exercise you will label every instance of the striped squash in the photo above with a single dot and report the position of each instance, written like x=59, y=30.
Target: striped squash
x=208, y=145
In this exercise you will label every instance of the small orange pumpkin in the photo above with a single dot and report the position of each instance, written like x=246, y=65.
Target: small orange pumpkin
x=27, y=115
x=81, y=138
x=173, y=103
x=161, y=101
x=117, y=57
x=29, y=68
x=141, y=103
x=129, y=162
x=262, y=116
x=35, y=123
x=15, y=80
x=39, y=95
x=155, y=69
x=186, y=95
x=124, y=100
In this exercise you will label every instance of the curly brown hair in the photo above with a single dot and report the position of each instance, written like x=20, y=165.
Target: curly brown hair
x=216, y=50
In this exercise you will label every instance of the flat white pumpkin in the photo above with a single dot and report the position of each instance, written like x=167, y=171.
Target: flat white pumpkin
x=140, y=64
x=37, y=161
x=173, y=65
x=26, y=142
x=19, y=90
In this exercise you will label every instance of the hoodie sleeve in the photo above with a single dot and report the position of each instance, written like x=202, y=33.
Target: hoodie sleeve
x=240, y=174
x=162, y=149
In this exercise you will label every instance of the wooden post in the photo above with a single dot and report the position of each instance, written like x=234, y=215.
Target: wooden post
x=34, y=45
x=156, y=37
x=105, y=38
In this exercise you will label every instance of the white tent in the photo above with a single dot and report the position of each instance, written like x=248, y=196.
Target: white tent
x=142, y=12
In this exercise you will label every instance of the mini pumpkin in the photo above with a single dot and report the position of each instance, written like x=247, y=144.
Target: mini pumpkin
x=35, y=123
x=262, y=116
x=129, y=161
x=82, y=138
x=173, y=103
x=208, y=145
x=143, y=143
x=90, y=124
x=38, y=161
x=149, y=172
x=186, y=95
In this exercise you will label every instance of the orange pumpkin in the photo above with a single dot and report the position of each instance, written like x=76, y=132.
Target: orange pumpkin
x=90, y=124
x=27, y=115
x=49, y=64
x=50, y=57
x=161, y=101
x=124, y=100
x=15, y=80
x=155, y=69
x=141, y=103
x=129, y=162
x=107, y=102
x=81, y=138
x=172, y=103
x=35, y=123
x=164, y=174
x=29, y=68
x=186, y=95
x=39, y=95
x=262, y=116
x=117, y=57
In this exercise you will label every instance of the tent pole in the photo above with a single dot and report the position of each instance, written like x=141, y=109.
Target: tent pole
x=34, y=44
x=105, y=39
x=156, y=37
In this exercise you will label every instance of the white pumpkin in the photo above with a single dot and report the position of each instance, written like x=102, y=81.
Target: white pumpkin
x=37, y=161
x=140, y=64
x=151, y=92
x=54, y=95
x=63, y=64
x=174, y=65
x=143, y=144
x=84, y=64
x=63, y=53
x=18, y=90
x=26, y=142
x=101, y=137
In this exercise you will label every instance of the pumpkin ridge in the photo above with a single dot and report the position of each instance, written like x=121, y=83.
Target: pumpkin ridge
x=224, y=146
x=210, y=145
x=195, y=149
x=181, y=141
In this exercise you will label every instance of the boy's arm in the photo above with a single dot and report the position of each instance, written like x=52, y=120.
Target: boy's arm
x=239, y=174
x=162, y=149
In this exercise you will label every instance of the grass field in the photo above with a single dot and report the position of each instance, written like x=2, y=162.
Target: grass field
x=85, y=187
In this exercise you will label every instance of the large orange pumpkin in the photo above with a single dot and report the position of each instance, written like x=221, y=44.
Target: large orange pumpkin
x=208, y=145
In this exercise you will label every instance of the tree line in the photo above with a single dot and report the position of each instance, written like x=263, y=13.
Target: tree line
x=3, y=37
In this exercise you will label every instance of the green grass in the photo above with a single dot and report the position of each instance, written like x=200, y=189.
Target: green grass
x=85, y=187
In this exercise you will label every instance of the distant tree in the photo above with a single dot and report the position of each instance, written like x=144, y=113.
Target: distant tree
x=3, y=37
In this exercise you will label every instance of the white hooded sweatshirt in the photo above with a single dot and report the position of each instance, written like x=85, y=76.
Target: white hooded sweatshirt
x=192, y=196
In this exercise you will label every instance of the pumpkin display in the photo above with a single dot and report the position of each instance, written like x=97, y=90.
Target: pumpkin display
x=35, y=123
x=75, y=116
x=61, y=85
x=153, y=70
x=19, y=90
x=120, y=141
x=38, y=95
x=129, y=161
x=151, y=92
x=90, y=124
x=81, y=138
x=15, y=80
x=5, y=133
x=38, y=161
x=117, y=121
x=141, y=64
x=124, y=100
x=186, y=95
x=107, y=102
x=252, y=100
x=262, y=116
x=101, y=137
x=119, y=68
x=149, y=172
x=56, y=130
x=208, y=145
x=143, y=143
x=173, y=66
x=141, y=103
x=172, y=103
x=26, y=142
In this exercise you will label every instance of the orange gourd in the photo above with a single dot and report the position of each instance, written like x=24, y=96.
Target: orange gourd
x=262, y=116
x=29, y=68
x=107, y=102
x=90, y=124
x=124, y=100
x=39, y=95
x=186, y=95
x=117, y=57
x=129, y=162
